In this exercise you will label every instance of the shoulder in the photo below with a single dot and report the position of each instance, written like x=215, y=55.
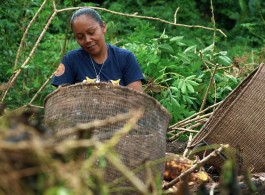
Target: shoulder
x=119, y=50
x=74, y=56
x=75, y=52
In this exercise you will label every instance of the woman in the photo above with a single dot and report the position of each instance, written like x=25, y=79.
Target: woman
x=96, y=61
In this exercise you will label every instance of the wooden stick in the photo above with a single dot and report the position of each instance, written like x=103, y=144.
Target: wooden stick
x=26, y=32
x=146, y=17
x=188, y=146
x=194, y=115
x=194, y=167
x=29, y=57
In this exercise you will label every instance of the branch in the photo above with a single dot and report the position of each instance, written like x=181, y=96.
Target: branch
x=26, y=32
x=187, y=122
x=175, y=15
x=117, y=163
x=208, y=88
x=29, y=57
x=188, y=146
x=102, y=149
x=146, y=17
x=194, y=115
x=194, y=167
x=42, y=87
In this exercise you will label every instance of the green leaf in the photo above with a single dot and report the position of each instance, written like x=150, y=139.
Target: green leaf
x=174, y=89
x=191, y=48
x=181, y=44
x=209, y=48
x=166, y=47
x=193, y=83
x=183, y=87
x=177, y=38
x=180, y=83
x=190, y=87
x=184, y=58
x=224, y=60
x=175, y=102
x=190, y=77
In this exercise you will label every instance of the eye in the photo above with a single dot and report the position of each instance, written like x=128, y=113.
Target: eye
x=91, y=32
x=79, y=37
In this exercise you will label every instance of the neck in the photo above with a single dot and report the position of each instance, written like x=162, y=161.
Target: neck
x=102, y=56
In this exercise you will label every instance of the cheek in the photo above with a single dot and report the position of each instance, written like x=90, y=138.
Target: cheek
x=79, y=42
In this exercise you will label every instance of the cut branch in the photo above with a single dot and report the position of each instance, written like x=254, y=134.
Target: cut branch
x=194, y=167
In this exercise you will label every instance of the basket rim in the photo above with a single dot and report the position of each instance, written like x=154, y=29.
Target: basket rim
x=110, y=85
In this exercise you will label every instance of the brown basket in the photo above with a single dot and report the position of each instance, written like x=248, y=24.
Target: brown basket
x=82, y=103
x=240, y=122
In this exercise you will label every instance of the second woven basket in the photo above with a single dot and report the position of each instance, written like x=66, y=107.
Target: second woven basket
x=240, y=122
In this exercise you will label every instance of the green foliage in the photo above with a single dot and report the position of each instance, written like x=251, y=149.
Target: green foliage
x=178, y=69
x=177, y=62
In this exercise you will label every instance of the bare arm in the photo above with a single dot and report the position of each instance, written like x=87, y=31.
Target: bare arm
x=137, y=85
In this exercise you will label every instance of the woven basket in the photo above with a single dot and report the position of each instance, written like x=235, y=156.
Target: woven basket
x=82, y=103
x=240, y=122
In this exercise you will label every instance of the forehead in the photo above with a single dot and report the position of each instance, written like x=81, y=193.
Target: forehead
x=84, y=21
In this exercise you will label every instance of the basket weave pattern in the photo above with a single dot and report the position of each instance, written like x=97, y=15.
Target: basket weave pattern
x=82, y=103
x=240, y=122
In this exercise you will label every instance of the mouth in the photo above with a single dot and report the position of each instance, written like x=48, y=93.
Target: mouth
x=89, y=46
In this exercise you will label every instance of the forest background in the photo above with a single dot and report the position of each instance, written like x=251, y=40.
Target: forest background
x=193, y=54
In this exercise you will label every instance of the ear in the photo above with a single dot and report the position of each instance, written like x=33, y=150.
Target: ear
x=104, y=27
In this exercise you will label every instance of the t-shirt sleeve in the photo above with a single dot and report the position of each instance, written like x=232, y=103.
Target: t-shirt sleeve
x=132, y=70
x=64, y=73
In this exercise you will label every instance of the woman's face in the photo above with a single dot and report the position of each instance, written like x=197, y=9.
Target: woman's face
x=89, y=34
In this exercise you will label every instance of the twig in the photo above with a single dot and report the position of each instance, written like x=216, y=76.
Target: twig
x=34, y=106
x=214, y=25
x=194, y=167
x=175, y=15
x=30, y=55
x=174, y=137
x=146, y=17
x=194, y=115
x=21, y=173
x=200, y=123
x=186, y=130
x=117, y=163
x=198, y=118
x=66, y=145
x=215, y=66
x=152, y=164
x=26, y=32
x=208, y=87
x=101, y=149
x=41, y=88
x=188, y=146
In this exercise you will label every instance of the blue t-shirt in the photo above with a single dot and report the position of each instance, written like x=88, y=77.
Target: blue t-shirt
x=76, y=66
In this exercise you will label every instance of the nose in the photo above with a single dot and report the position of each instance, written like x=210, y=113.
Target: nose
x=87, y=40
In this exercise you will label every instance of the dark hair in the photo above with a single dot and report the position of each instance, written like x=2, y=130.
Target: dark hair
x=88, y=12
